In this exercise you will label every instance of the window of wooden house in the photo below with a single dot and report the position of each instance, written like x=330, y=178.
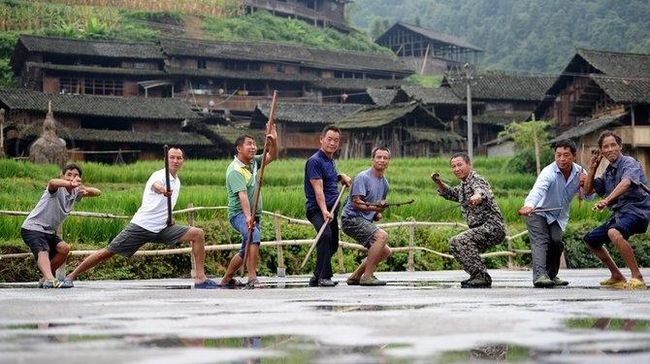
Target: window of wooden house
x=201, y=64
x=103, y=87
x=281, y=68
x=69, y=85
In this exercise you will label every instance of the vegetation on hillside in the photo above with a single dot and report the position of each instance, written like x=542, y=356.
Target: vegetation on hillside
x=526, y=35
x=136, y=23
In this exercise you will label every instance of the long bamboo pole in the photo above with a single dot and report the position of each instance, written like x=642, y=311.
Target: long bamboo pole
x=258, y=189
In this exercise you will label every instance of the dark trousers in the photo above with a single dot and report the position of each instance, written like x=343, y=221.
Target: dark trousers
x=327, y=245
x=546, y=245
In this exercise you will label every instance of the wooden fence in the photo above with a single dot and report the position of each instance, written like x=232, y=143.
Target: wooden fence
x=279, y=243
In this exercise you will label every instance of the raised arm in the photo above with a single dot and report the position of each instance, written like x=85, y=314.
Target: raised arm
x=273, y=151
x=88, y=191
x=55, y=183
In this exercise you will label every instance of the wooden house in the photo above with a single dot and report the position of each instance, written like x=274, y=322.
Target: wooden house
x=299, y=124
x=408, y=129
x=505, y=97
x=418, y=46
x=601, y=90
x=236, y=76
x=74, y=66
x=320, y=13
x=96, y=124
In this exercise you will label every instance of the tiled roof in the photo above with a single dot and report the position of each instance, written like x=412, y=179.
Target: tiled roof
x=433, y=96
x=625, y=90
x=382, y=96
x=106, y=106
x=500, y=117
x=375, y=116
x=354, y=84
x=589, y=126
x=317, y=58
x=122, y=136
x=99, y=48
x=627, y=65
x=434, y=135
x=502, y=86
x=241, y=75
x=435, y=36
x=308, y=113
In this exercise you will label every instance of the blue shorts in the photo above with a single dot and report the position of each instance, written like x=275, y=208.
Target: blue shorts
x=239, y=223
x=627, y=225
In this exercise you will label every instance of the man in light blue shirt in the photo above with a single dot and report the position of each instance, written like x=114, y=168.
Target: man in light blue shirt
x=547, y=209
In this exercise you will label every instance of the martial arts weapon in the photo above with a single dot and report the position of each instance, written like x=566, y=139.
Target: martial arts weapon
x=548, y=209
x=168, y=186
x=386, y=204
x=322, y=228
x=256, y=199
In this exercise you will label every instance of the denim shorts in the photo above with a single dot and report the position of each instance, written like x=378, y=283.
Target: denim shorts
x=627, y=225
x=239, y=223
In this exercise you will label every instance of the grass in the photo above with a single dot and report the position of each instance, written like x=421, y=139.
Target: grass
x=22, y=183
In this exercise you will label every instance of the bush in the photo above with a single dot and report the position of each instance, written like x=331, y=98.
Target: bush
x=524, y=161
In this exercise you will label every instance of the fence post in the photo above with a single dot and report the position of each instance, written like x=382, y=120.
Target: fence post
x=411, y=258
x=190, y=222
x=282, y=270
x=511, y=264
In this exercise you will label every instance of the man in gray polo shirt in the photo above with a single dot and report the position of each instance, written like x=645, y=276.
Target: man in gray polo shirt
x=149, y=224
x=362, y=207
x=39, y=229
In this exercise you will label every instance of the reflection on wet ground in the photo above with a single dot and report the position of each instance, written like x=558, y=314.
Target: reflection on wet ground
x=355, y=308
x=609, y=324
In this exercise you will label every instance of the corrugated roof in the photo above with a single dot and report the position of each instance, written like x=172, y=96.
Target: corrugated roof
x=589, y=126
x=317, y=58
x=308, y=112
x=435, y=36
x=106, y=106
x=85, y=47
x=375, y=116
x=498, y=85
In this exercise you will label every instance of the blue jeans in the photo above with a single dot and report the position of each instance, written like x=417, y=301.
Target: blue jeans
x=239, y=223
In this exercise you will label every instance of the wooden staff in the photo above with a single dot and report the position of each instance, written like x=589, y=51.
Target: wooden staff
x=168, y=186
x=322, y=228
x=258, y=189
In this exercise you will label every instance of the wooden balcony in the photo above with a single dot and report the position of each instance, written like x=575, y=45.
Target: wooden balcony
x=638, y=136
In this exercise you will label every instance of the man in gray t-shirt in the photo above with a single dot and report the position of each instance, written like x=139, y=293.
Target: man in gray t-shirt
x=365, y=205
x=39, y=229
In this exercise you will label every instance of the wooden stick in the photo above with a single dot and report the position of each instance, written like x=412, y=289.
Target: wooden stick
x=322, y=228
x=258, y=188
x=168, y=185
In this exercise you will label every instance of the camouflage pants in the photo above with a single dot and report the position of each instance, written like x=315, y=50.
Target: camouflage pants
x=467, y=246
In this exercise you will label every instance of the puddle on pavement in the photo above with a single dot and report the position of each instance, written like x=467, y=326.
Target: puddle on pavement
x=608, y=324
x=357, y=308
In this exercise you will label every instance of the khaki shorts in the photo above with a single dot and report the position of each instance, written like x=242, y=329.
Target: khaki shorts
x=129, y=240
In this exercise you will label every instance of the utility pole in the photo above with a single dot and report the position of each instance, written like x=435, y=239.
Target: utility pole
x=469, y=76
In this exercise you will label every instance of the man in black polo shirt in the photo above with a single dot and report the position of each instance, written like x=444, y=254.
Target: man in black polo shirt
x=321, y=191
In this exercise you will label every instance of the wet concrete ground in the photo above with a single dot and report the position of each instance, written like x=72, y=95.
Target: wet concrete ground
x=419, y=317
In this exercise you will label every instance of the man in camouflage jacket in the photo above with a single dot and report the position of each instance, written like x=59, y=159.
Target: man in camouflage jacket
x=486, y=226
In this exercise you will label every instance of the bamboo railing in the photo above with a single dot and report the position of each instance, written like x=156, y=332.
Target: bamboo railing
x=279, y=243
